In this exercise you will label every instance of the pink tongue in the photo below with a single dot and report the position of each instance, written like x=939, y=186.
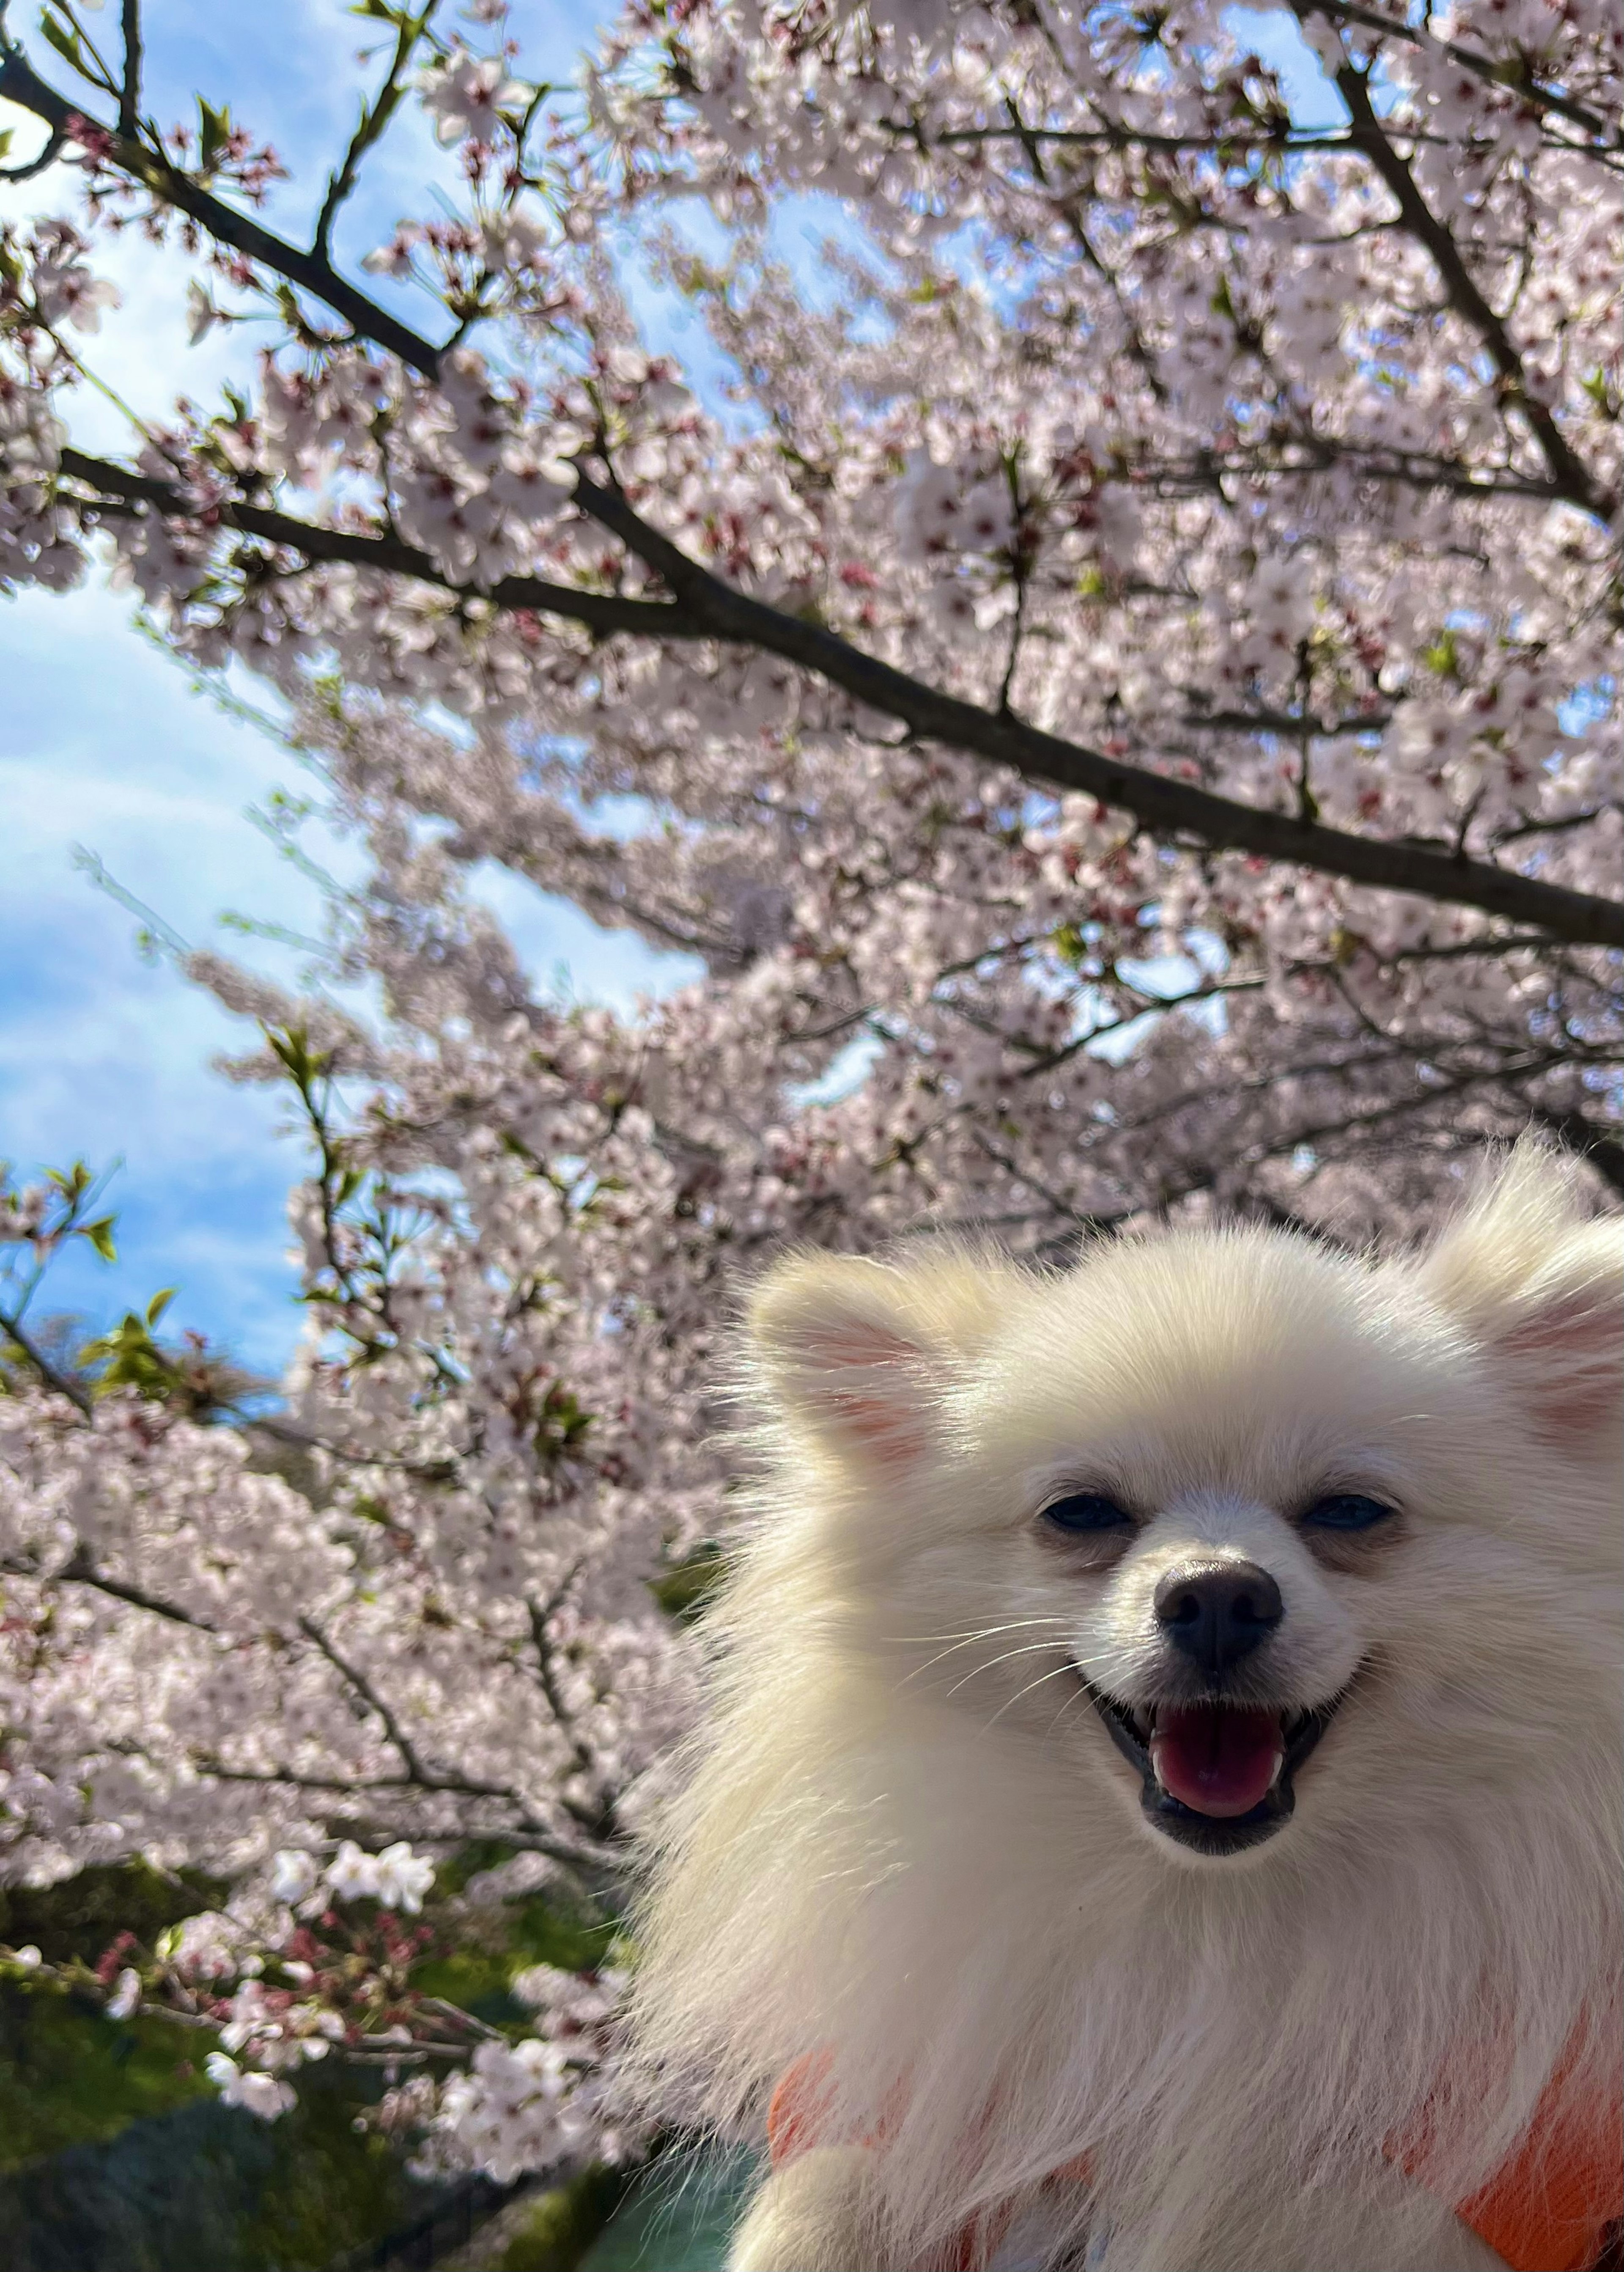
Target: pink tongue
x=1217, y=1761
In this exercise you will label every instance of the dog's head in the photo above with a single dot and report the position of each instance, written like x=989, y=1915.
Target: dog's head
x=1272, y=1538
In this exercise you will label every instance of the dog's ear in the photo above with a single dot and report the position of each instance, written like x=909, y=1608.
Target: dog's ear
x=1542, y=1289
x=861, y=1352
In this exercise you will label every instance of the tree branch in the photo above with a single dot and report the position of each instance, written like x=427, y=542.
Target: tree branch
x=419, y=1777
x=1284, y=721
x=369, y=1696
x=1166, y=806
x=129, y=94
x=13, y=1327
x=706, y=608
x=311, y=271
x=531, y=1834
x=1502, y=75
x=710, y=608
x=1461, y=289
x=375, y=118
x=79, y=1571
x=602, y=612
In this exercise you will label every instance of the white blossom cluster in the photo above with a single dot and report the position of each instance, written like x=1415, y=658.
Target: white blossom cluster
x=397, y=1878
x=548, y=2100
x=1278, y=465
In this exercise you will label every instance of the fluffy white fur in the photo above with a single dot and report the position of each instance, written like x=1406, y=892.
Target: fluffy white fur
x=907, y=1844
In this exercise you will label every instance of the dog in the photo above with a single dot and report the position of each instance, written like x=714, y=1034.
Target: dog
x=1160, y=1806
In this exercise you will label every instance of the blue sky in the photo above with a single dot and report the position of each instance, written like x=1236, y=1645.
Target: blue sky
x=103, y=744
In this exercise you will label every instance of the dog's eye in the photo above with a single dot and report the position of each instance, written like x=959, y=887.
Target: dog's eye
x=1346, y=1511
x=1086, y=1511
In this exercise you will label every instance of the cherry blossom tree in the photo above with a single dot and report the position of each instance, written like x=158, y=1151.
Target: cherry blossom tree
x=1117, y=688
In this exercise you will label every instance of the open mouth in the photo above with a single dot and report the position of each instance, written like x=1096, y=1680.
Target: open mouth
x=1218, y=1777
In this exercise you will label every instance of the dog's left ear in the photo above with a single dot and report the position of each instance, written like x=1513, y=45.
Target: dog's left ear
x=1542, y=1287
x=861, y=1353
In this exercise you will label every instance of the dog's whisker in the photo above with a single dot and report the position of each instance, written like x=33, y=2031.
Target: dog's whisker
x=1028, y=1649
x=1054, y=1670
x=988, y=1632
x=1076, y=1697
x=971, y=1632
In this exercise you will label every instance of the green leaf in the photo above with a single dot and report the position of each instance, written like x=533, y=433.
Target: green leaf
x=1601, y=394
x=1071, y=945
x=100, y=1234
x=214, y=133
x=65, y=39
x=159, y=1303
x=292, y=1049
x=684, y=1589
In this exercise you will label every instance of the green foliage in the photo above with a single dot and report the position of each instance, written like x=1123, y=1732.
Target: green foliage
x=683, y=1589
x=1071, y=945
x=114, y=2148
x=214, y=130
x=129, y=1357
x=81, y=1915
x=536, y=1931
x=69, y=2075
x=116, y=2158
x=555, y=2233
x=65, y=39
x=331, y=2187
x=563, y=1425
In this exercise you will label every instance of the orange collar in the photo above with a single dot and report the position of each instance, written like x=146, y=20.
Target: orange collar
x=1557, y=2205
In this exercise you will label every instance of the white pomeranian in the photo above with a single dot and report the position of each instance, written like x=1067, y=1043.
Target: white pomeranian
x=1162, y=1809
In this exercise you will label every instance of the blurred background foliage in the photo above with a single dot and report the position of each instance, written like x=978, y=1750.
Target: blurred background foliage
x=115, y=2153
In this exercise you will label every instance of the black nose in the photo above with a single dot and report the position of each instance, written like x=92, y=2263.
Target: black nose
x=1218, y=1611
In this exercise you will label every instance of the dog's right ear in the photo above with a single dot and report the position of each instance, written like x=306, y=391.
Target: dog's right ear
x=1541, y=1287
x=861, y=1353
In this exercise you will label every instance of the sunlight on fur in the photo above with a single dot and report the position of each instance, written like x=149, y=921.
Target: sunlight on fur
x=1292, y=2031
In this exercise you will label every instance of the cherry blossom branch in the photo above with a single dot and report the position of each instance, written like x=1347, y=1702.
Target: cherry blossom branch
x=311, y=270
x=710, y=607
x=1462, y=290
x=1302, y=452
x=714, y=609
x=79, y=1571
x=1510, y=75
x=1156, y=803
x=419, y=1775
x=1285, y=722
x=592, y=1862
x=1112, y=136
x=601, y=1820
x=707, y=608
x=604, y=613
x=375, y=118
x=12, y=1326
x=369, y=1696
